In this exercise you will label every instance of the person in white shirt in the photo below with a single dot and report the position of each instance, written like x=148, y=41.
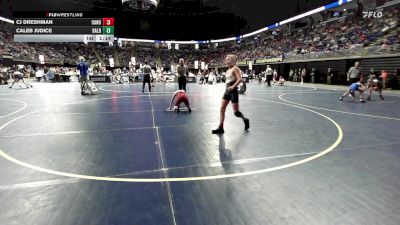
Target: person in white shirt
x=19, y=76
x=39, y=74
x=275, y=76
x=183, y=72
x=146, y=70
x=354, y=74
x=211, y=78
x=269, y=72
x=3, y=75
x=233, y=79
x=303, y=75
x=281, y=81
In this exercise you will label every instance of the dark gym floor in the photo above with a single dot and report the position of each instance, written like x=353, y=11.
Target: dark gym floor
x=120, y=157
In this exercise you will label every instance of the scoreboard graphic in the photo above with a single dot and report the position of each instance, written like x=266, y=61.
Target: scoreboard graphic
x=62, y=27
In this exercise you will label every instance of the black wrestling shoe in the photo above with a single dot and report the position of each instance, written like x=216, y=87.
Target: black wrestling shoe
x=190, y=110
x=220, y=130
x=246, y=124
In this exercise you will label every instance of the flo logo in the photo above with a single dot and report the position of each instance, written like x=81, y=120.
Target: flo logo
x=372, y=14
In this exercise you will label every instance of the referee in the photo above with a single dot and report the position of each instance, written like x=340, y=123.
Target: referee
x=182, y=74
x=146, y=70
x=269, y=73
x=354, y=74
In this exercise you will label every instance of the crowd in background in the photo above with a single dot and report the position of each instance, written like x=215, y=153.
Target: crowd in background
x=348, y=33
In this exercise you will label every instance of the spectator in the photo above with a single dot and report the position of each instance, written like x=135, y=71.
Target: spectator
x=303, y=75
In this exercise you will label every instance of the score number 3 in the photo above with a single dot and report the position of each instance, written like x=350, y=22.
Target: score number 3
x=108, y=21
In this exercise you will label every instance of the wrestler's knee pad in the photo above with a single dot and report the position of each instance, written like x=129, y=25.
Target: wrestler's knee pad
x=238, y=114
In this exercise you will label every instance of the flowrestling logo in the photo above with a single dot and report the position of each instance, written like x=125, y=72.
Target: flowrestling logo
x=372, y=14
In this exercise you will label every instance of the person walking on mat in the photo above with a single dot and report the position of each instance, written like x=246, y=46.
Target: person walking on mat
x=233, y=79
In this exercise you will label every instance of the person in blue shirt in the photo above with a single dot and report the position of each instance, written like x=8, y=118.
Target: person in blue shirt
x=50, y=75
x=83, y=68
x=358, y=86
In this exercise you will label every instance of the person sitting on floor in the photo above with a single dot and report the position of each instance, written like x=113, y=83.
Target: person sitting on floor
x=281, y=81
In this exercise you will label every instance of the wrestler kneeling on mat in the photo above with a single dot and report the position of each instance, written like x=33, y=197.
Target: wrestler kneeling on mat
x=233, y=79
x=358, y=86
x=179, y=97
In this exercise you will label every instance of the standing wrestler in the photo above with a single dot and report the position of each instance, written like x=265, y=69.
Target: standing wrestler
x=233, y=79
x=19, y=76
x=374, y=85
